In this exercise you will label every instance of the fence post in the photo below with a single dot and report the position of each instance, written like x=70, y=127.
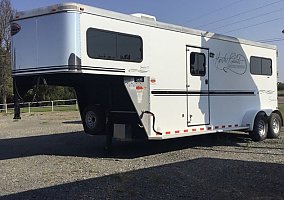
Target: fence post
x=76, y=104
x=29, y=104
x=51, y=106
x=6, y=108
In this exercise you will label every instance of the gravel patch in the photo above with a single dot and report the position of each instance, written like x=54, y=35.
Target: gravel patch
x=47, y=156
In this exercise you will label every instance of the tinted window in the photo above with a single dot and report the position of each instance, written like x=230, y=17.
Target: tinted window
x=129, y=48
x=260, y=66
x=266, y=66
x=197, y=64
x=101, y=44
x=113, y=46
x=255, y=65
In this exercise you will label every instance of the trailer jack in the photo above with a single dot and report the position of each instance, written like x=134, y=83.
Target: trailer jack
x=17, y=97
x=109, y=134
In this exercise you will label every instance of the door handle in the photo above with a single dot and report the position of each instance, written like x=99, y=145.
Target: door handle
x=206, y=81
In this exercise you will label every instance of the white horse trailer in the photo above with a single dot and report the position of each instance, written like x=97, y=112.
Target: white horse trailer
x=136, y=77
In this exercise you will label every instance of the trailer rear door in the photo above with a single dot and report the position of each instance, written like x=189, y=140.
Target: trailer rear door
x=197, y=86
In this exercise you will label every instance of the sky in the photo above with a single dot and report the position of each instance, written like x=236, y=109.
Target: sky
x=256, y=20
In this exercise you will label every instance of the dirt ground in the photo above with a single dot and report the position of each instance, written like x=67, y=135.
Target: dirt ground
x=47, y=156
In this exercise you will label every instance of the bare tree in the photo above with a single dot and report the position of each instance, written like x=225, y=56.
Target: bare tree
x=6, y=14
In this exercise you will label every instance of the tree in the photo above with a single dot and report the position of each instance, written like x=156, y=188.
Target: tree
x=6, y=14
x=49, y=93
x=280, y=86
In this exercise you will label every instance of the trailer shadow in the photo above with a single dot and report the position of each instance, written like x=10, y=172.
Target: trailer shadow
x=202, y=178
x=73, y=122
x=81, y=145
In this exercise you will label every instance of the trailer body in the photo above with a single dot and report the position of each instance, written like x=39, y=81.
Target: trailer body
x=146, y=78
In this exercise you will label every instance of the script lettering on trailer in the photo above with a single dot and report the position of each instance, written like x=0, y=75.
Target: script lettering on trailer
x=235, y=63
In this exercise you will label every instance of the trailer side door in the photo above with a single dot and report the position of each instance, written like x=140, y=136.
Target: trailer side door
x=197, y=86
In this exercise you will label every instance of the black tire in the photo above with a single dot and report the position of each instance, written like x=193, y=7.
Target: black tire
x=260, y=128
x=274, y=126
x=94, y=120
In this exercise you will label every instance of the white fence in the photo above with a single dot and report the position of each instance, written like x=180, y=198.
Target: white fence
x=42, y=106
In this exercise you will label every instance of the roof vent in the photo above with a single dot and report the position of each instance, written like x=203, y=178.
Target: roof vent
x=144, y=16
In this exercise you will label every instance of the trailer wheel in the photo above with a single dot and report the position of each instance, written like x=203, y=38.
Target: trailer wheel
x=274, y=126
x=260, y=128
x=94, y=120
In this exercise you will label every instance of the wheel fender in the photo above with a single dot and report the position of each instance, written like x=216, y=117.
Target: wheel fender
x=250, y=116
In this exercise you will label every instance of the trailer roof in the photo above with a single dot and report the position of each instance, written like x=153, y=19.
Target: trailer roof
x=64, y=7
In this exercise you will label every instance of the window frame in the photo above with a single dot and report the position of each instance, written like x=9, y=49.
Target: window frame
x=117, y=58
x=204, y=56
x=261, y=60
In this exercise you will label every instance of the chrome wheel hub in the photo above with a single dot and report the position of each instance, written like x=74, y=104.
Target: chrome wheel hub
x=90, y=120
x=275, y=126
x=261, y=128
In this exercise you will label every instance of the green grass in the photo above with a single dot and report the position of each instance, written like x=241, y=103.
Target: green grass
x=46, y=109
x=65, y=108
x=281, y=105
x=281, y=108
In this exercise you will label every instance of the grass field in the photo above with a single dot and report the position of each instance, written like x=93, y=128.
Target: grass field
x=281, y=92
x=74, y=108
x=281, y=108
x=45, y=109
